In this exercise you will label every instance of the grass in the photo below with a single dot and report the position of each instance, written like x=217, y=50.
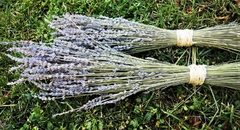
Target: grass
x=176, y=107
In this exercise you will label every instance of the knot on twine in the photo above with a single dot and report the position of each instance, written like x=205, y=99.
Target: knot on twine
x=184, y=38
x=197, y=74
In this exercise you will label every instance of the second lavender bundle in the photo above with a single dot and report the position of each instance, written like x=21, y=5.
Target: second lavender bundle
x=133, y=37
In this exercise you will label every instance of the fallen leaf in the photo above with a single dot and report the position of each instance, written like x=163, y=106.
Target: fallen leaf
x=189, y=11
x=204, y=7
x=223, y=17
x=238, y=3
x=179, y=2
x=197, y=123
x=157, y=124
x=6, y=95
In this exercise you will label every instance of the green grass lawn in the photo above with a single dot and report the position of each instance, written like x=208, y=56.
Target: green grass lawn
x=176, y=107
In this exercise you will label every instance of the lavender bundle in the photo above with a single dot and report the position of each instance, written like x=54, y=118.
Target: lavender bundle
x=133, y=37
x=68, y=69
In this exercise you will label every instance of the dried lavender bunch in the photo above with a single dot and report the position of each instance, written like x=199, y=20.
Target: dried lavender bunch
x=67, y=70
x=133, y=37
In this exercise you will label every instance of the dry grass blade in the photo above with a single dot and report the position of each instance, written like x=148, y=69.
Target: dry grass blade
x=133, y=37
x=66, y=70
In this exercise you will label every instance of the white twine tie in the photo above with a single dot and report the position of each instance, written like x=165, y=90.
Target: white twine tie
x=197, y=74
x=184, y=38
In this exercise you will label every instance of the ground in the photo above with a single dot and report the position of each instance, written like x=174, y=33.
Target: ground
x=176, y=107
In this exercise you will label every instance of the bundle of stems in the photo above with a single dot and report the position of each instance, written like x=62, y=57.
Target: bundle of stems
x=133, y=37
x=66, y=69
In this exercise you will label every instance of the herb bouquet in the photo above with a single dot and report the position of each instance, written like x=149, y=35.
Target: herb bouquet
x=133, y=37
x=67, y=69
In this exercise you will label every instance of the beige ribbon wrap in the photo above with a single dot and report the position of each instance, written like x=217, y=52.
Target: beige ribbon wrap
x=184, y=38
x=198, y=74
